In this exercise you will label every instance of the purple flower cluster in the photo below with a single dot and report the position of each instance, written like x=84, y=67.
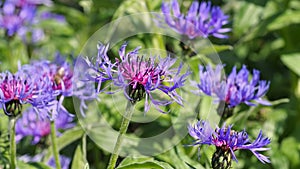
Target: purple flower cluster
x=42, y=84
x=19, y=17
x=21, y=88
x=229, y=140
x=202, y=19
x=139, y=76
x=59, y=84
x=31, y=125
x=236, y=88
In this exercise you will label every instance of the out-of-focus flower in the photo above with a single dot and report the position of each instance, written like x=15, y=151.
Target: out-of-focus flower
x=30, y=124
x=236, y=88
x=139, y=76
x=50, y=15
x=21, y=18
x=13, y=19
x=21, y=3
x=31, y=35
x=64, y=161
x=227, y=141
x=60, y=74
x=21, y=88
x=201, y=20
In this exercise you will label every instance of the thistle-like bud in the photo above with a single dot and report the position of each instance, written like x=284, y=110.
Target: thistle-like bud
x=13, y=108
x=221, y=159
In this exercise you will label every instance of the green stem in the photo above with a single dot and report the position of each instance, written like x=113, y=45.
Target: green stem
x=84, y=146
x=123, y=129
x=54, y=145
x=13, y=150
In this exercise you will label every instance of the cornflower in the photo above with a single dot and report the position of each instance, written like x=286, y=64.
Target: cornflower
x=21, y=88
x=139, y=76
x=227, y=141
x=201, y=20
x=61, y=77
x=235, y=89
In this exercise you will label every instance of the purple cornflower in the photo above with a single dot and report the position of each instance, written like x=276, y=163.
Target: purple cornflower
x=227, y=141
x=60, y=76
x=139, y=76
x=20, y=88
x=201, y=20
x=236, y=88
x=30, y=124
x=64, y=161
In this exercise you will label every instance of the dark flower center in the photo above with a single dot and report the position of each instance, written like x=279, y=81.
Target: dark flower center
x=221, y=158
x=225, y=110
x=136, y=93
x=13, y=108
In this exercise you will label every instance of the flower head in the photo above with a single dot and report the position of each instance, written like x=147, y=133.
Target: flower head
x=59, y=72
x=202, y=19
x=140, y=76
x=30, y=124
x=236, y=88
x=20, y=88
x=60, y=75
x=227, y=140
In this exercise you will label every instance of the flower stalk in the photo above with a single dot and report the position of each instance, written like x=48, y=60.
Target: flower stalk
x=13, y=150
x=123, y=129
x=54, y=145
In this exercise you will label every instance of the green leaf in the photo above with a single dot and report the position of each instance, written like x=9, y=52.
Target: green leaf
x=79, y=160
x=64, y=140
x=130, y=7
x=144, y=162
x=289, y=148
x=246, y=17
x=57, y=28
x=172, y=158
x=187, y=159
x=279, y=160
x=215, y=49
x=287, y=18
x=261, y=28
x=292, y=61
x=34, y=165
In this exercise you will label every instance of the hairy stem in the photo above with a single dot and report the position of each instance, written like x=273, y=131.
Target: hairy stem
x=13, y=150
x=123, y=129
x=54, y=145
